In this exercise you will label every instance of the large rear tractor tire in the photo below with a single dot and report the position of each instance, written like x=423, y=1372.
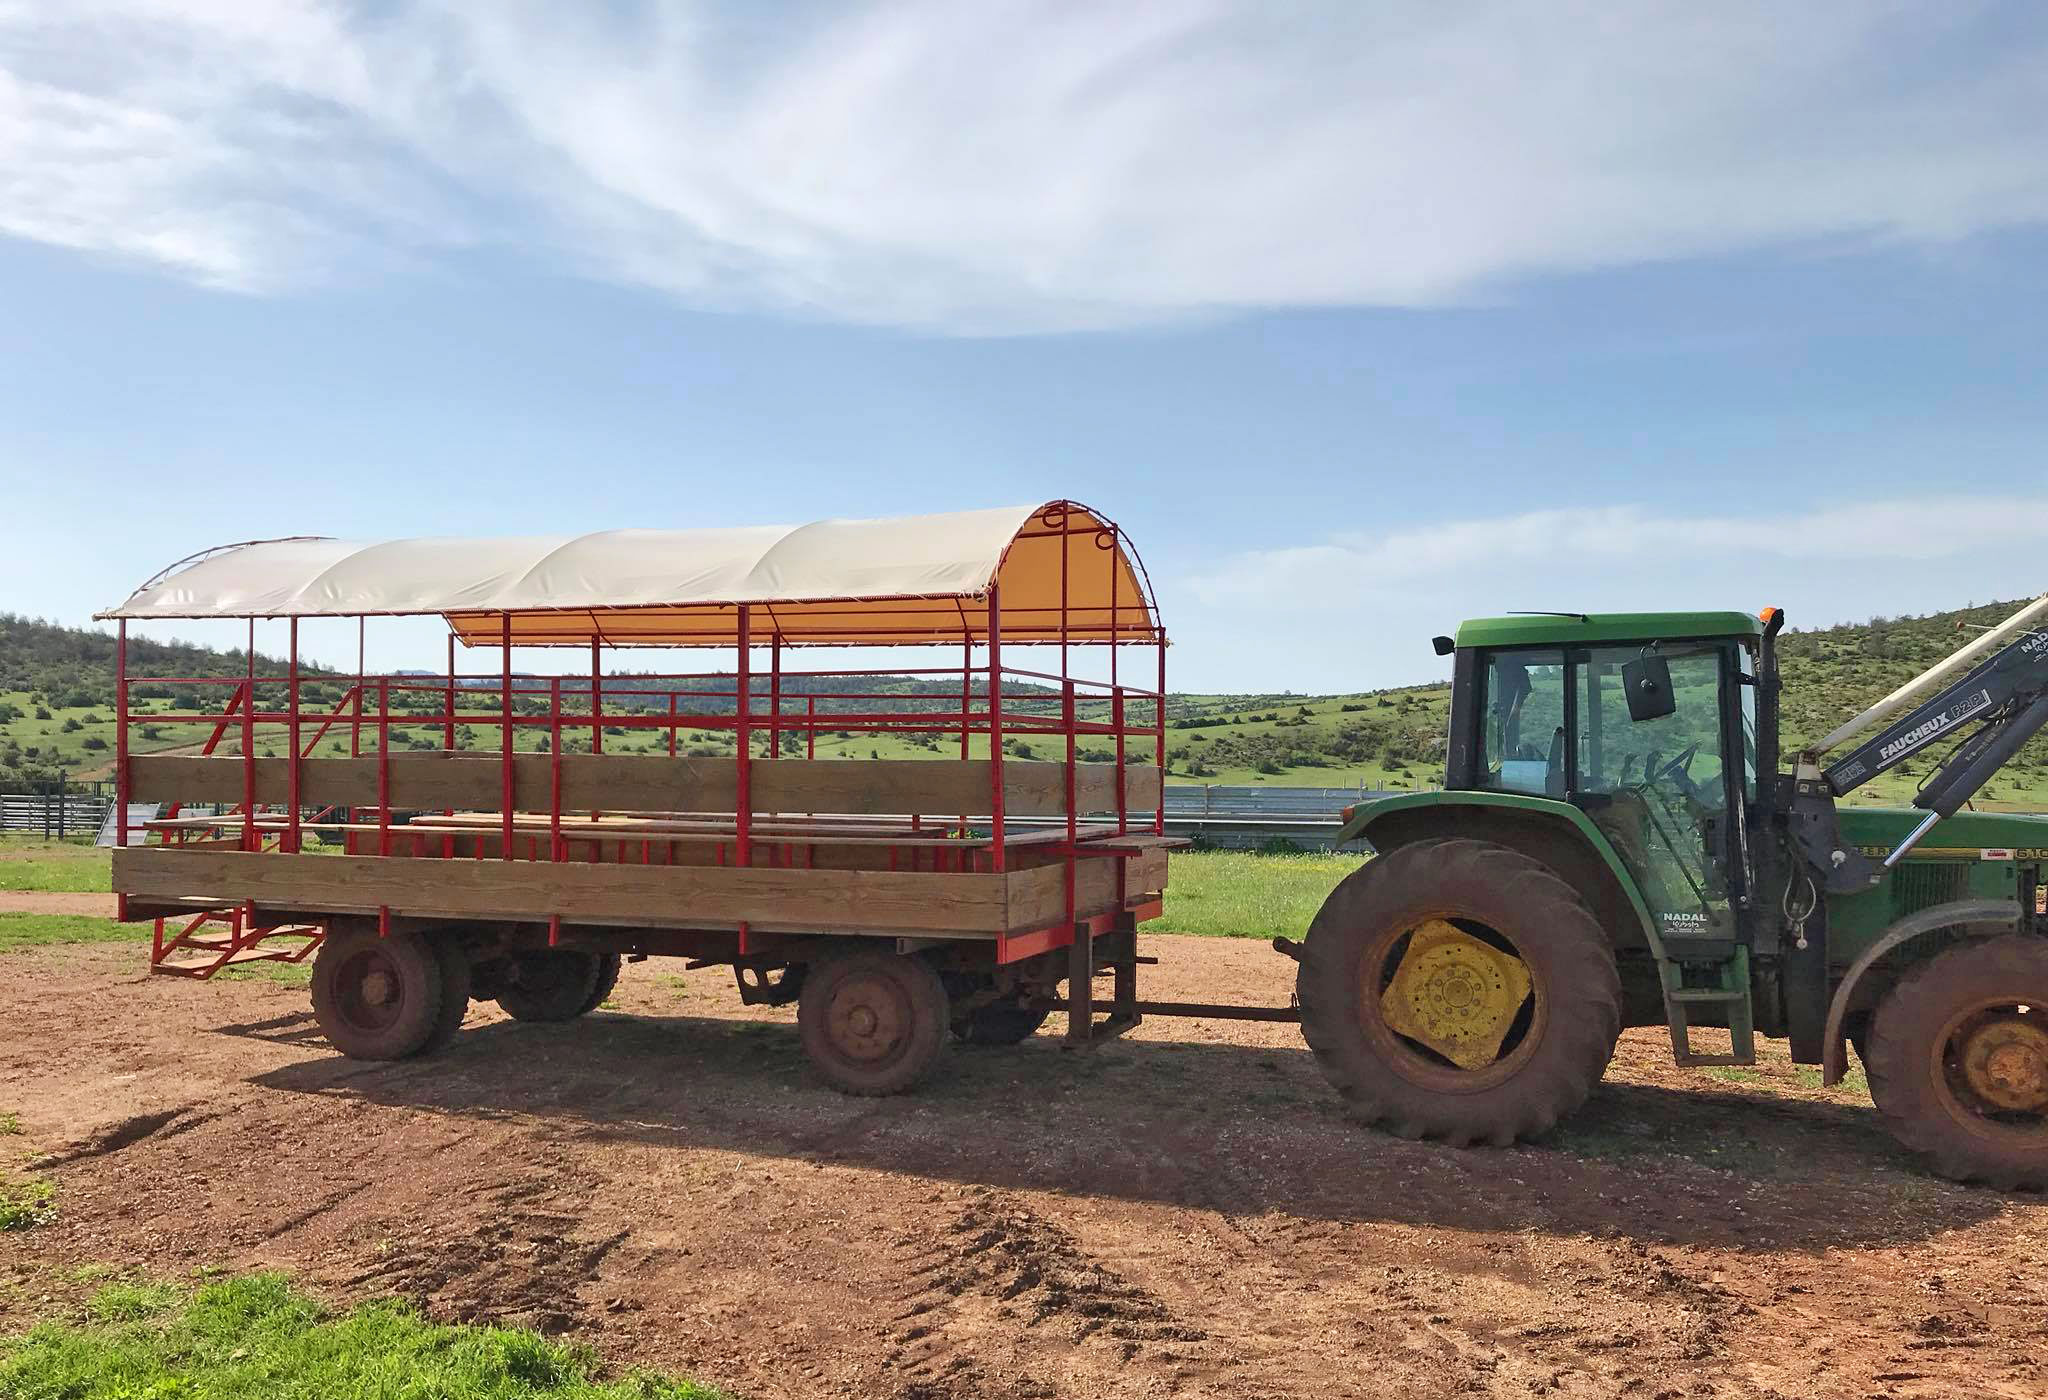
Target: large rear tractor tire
x=1958, y=1062
x=552, y=984
x=1459, y=990
x=873, y=1023
x=378, y=998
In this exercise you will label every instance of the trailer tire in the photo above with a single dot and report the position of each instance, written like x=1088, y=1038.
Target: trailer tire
x=873, y=1023
x=999, y=1023
x=375, y=997
x=550, y=984
x=1958, y=1072
x=456, y=985
x=1550, y=1055
x=608, y=965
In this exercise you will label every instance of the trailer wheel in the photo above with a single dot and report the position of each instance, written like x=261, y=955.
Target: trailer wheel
x=872, y=1022
x=1958, y=1061
x=608, y=965
x=456, y=984
x=1459, y=990
x=550, y=984
x=999, y=1023
x=377, y=998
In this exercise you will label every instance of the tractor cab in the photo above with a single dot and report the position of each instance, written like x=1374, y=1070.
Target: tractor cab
x=1646, y=722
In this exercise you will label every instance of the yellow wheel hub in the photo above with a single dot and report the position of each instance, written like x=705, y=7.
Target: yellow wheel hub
x=2006, y=1062
x=1455, y=994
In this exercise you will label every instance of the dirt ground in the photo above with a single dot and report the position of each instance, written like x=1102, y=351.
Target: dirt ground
x=98, y=906
x=1183, y=1213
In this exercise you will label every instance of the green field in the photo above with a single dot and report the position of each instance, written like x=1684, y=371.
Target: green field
x=36, y=930
x=1236, y=894
x=256, y=1339
x=31, y=863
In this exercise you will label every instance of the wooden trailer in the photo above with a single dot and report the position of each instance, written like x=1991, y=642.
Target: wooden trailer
x=509, y=832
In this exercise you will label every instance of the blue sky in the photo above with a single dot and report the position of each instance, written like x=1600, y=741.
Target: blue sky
x=1360, y=320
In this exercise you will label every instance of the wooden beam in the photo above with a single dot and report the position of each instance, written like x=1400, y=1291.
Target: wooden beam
x=659, y=896
x=1038, y=897
x=434, y=781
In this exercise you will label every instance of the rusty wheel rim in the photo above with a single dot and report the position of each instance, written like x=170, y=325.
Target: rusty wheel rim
x=868, y=1020
x=1992, y=1067
x=371, y=990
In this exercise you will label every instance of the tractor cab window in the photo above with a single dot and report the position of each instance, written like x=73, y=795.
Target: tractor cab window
x=1657, y=787
x=1524, y=723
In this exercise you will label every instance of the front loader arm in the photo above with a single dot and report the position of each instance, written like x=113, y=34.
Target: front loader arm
x=2005, y=698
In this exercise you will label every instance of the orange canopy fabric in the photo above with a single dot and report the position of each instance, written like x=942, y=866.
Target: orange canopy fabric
x=1058, y=570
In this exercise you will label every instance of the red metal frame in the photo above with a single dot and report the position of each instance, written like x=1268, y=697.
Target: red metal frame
x=1017, y=701
x=238, y=941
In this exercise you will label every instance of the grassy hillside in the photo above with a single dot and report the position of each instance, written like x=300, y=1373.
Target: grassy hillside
x=56, y=701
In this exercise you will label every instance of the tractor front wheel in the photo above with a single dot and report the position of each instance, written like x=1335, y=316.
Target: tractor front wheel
x=1459, y=990
x=1958, y=1062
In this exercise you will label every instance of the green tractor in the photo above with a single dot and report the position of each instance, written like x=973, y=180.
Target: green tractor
x=1608, y=850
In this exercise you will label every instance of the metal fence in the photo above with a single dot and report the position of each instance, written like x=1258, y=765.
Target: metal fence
x=50, y=815
x=1248, y=818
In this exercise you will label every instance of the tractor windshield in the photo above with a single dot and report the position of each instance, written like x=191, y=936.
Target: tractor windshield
x=1658, y=787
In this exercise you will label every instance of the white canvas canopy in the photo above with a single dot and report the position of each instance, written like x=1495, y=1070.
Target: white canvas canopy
x=908, y=580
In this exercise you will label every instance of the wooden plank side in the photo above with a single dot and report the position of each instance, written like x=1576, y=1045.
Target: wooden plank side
x=433, y=781
x=660, y=895
x=1038, y=897
x=945, y=786
x=421, y=780
x=1095, y=789
x=186, y=778
x=631, y=783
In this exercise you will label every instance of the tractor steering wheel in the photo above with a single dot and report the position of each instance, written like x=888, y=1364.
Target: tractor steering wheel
x=1679, y=770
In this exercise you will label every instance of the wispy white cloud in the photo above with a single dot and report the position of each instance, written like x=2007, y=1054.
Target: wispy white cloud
x=1361, y=605
x=1010, y=165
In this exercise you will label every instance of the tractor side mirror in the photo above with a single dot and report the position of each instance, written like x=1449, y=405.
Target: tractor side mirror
x=1647, y=683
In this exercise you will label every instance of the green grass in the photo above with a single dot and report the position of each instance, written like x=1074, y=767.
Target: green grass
x=31, y=863
x=256, y=1339
x=283, y=974
x=131, y=1302
x=37, y=930
x=25, y=1204
x=1238, y=894
x=1732, y=1074
x=10, y=1124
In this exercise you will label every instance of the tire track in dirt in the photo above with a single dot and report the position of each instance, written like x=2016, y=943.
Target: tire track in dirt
x=126, y=1132
x=1474, y=1315
x=1000, y=1266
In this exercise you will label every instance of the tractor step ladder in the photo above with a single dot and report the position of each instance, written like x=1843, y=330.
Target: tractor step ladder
x=1729, y=971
